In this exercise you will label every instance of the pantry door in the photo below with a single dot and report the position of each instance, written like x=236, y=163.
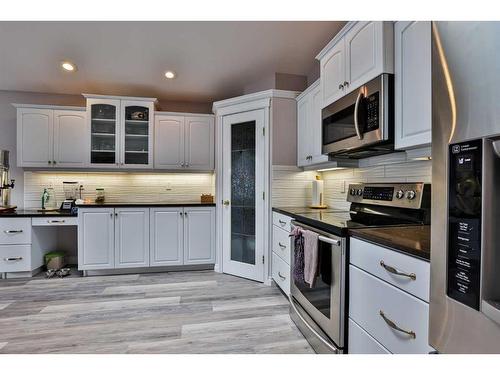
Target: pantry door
x=243, y=211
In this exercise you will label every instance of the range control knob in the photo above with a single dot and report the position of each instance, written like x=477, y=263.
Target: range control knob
x=353, y=191
x=400, y=194
x=410, y=194
x=359, y=192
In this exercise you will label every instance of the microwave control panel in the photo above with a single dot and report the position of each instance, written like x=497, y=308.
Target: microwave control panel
x=464, y=223
x=372, y=104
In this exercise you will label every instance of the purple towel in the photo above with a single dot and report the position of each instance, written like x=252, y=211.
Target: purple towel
x=310, y=257
x=298, y=255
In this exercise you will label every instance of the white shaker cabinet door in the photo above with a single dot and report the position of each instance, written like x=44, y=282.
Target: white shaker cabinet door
x=199, y=146
x=167, y=240
x=333, y=73
x=413, y=84
x=96, y=238
x=304, y=139
x=169, y=142
x=132, y=237
x=199, y=235
x=70, y=139
x=35, y=137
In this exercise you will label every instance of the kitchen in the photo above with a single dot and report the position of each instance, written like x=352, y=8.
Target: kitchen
x=307, y=213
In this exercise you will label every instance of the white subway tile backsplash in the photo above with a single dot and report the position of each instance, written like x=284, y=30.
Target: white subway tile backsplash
x=122, y=186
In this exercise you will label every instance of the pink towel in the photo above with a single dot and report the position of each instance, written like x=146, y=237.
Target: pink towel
x=310, y=257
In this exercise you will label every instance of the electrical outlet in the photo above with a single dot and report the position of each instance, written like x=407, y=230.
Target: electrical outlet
x=342, y=187
x=168, y=186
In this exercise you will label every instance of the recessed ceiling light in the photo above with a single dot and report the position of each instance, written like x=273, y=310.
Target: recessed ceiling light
x=169, y=74
x=69, y=66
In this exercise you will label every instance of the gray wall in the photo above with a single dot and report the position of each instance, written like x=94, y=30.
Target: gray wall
x=8, y=123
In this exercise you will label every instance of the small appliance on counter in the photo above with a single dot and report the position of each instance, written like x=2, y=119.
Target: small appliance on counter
x=71, y=189
x=317, y=194
x=5, y=183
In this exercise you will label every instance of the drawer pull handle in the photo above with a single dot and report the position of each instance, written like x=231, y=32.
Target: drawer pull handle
x=13, y=231
x=13, y=259
x=55, y=221
x=282, y=222
x=394, y=326
x=281, y=276
x=281, y=245
x=395, y=271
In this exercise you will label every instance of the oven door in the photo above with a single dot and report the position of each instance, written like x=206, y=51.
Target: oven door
x=324, y=303
x=358, y=120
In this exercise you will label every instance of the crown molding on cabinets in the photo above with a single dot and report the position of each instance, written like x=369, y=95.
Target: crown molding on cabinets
x=336, y=39
x=250, y=102
x=309, y=89
x=48, y=106
x=166, y=113
x=111, y=97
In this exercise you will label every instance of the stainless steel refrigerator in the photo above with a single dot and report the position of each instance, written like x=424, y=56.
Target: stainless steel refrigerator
x=465, y=255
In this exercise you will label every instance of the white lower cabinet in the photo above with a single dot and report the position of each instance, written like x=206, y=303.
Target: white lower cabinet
x=128, y=237
x=132, y=237
x=360, y=342
x=166, y=236
x=199, y=235
x=281, y=251
x=96, y=238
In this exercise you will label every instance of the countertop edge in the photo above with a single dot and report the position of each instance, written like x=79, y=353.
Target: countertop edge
x=95, y=205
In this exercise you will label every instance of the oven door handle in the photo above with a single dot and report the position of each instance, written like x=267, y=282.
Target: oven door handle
x=329, y=240
x=356, y=109
x=318, y=336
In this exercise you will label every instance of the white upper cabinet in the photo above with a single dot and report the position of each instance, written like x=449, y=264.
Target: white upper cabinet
x=70, y=139
x=137, y=134
x=184, y=142
x=51, y=137
x=199, y=142
x=412, y=84
x=309, y=142
x=359, y=53
x=35, y=134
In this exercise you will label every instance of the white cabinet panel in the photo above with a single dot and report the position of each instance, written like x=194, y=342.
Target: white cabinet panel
x=363, y=48
x=282, y=244
x=413, y=84
x=368, y=257
x=361, y=342
x=167, y=240
x=371, y=299
x=70, y=139
x=304, y=149
x=199, y=235
x=15, y=258
x=282, y=221
x=169, y=142
x=15, y=230
x=333, y=73
x=132, y=237
x=34, y=137
x=281, y=273
x=199, y=147
x=315, y=127
x=96, y=238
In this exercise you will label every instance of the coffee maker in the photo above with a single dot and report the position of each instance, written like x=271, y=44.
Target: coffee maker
x=5, y=183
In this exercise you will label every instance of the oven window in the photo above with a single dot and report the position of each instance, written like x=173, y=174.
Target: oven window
x=339, y=126
x=320, y=294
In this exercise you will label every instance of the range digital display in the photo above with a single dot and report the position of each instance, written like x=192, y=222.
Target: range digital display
x=378, y=193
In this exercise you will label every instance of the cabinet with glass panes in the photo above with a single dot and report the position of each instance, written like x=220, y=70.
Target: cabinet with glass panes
x=121, y=131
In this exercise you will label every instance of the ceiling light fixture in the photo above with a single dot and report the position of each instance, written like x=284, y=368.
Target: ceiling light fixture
x=68, y=66
x=169, y=74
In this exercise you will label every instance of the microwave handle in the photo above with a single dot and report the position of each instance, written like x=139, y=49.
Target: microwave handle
x=356, y=107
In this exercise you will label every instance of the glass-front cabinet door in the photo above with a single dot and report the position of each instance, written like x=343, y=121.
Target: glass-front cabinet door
x=136, y=138
x=104, y=132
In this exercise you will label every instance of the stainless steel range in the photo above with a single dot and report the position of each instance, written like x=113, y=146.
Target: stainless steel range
x=320, y=311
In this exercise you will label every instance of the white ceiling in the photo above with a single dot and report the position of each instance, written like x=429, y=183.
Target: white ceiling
x=213, y=60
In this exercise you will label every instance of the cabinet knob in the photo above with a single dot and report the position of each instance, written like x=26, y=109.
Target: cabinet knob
x=50, y=162
x=225, y=203
x=54, y=162
x=341, y=86
x=346, y=84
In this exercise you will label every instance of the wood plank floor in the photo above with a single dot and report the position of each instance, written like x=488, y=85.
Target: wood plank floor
x=172, y=312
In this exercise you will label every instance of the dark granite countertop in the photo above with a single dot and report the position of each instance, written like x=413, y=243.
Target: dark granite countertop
x=142, y=204
x=35, y=213
x=412, y=240
x=292, y=211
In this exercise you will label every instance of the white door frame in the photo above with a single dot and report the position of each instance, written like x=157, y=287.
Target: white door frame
x=256, y=271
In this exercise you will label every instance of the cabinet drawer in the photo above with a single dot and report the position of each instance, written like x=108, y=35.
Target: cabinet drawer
x=15, y=258
x=15, y=231
x=368, y=257
x=371, y=299
x=281, y=243
x=282, y=221
x=281, y=274
x=361, y=342
x=54, y=221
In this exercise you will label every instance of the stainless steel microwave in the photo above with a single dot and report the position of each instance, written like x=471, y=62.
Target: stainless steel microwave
x=361, y=123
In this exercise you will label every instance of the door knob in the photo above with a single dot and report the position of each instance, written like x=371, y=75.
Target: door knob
x=225, y=203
